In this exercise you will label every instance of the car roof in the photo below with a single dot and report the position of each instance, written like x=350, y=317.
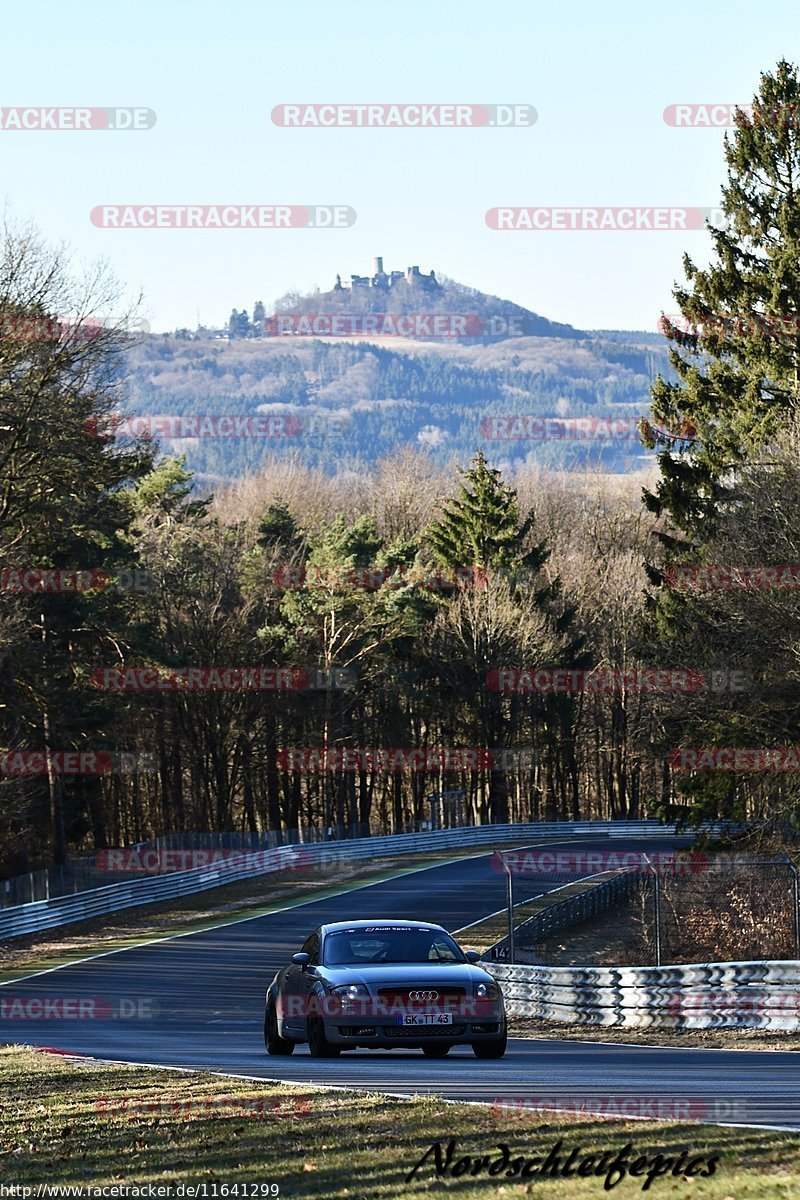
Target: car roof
x=382, y=923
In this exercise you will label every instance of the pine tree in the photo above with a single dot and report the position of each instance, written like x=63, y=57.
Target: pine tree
x=738, y=363
x=64, y=482
x=481, y=527
x=238, y=323
x=277, y=525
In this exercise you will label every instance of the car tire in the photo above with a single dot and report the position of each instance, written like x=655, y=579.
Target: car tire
x=272, y=1040
x=318, y=1044
x=437, y=1049
x=493, y=1048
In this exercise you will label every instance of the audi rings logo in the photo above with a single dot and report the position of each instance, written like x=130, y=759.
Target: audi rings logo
x=422, y=997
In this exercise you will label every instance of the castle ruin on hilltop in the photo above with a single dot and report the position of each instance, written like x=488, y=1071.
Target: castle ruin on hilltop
x=382, y=281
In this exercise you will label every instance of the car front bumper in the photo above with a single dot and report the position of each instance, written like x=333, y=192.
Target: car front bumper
x=386, y=1032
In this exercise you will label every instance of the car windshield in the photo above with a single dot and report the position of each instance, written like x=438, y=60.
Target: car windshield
x=390, y=944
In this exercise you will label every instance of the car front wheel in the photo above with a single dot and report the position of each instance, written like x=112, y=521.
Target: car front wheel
x=491, y=1048
x=274, y=1043
x=318, y=1044
x=436, y=1050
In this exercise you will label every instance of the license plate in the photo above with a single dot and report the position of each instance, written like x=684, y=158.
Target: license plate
x=425, y=1019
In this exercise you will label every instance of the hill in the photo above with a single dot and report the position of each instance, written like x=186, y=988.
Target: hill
x=351, y=397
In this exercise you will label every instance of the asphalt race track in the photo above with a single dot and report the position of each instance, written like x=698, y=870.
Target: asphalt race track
x=197, y=1002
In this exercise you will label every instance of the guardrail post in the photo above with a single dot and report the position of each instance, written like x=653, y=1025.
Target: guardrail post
x=510, y=894
x=656, y=907
x=795, y=904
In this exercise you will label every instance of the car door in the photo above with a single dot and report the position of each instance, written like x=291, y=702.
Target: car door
x=308, y=978
x=296, y=988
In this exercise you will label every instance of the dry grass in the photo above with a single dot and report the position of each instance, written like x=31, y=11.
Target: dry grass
x=99, y=1124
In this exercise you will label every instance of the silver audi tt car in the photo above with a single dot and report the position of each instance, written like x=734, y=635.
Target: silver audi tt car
x=384, y=985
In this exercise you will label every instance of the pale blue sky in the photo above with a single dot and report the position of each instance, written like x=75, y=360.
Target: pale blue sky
x=599, y=76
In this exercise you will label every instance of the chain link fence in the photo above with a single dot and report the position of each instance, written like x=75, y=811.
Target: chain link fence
x=158, y=856
x=78, y=875
x=742, y=907
x=669, y=909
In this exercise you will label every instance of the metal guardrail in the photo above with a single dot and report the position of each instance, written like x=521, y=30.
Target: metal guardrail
x=89, y=870
x=575, y=909
x=22, y=919
x=572, y=910
x=744, y=995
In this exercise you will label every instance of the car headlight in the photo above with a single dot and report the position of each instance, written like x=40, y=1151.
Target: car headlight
x=351, y=991
x=487, y=991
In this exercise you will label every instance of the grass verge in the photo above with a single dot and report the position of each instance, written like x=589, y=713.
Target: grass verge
x=77, y=1123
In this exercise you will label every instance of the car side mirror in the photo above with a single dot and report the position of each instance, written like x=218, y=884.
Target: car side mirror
x=300, y=960
x=472, y=956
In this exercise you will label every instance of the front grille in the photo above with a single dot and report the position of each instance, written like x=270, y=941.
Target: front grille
x=441, y=1032
x=354, y=1031
x=448, y=996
